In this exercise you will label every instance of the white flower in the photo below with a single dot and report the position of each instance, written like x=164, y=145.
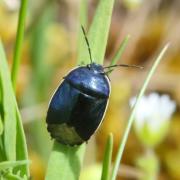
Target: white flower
x=153, y=113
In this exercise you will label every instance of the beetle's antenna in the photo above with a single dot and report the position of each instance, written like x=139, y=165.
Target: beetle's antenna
x=87, y=42
x=124, y=65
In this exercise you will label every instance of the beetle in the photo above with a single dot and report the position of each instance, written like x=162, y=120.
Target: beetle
x=78, y=106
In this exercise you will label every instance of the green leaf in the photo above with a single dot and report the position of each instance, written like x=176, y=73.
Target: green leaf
x=98, y=33
x=81, y=40
x=65, y=162
x=83, y=15
x=21, y=147
x=9, y=113
x=14, y=142
x=131, y=118
x=2, y=153
x=11, y=176
x=1, y=125
x=120, y=51
x=42, y=71
x=107, y=158
x=10, y=164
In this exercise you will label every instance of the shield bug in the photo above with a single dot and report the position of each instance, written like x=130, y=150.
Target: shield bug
x=78, y=105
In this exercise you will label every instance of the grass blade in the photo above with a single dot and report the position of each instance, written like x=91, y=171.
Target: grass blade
x=98, y=33
x=107, y=158
x=83, y=16
x=21, y=147
x=9, y=113
x=65, y=162
x=13, y=135
x=99, y=30
x=19, y=40
x=120, y=50
x=131, y=118
x=1, y=125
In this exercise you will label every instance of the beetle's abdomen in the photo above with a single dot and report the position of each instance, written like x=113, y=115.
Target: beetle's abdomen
x=74, y=116
x=87, y=114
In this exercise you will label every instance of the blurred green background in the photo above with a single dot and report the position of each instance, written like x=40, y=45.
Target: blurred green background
x=50, y=51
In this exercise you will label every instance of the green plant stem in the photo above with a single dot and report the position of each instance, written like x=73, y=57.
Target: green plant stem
x=120, y=50
x=18, y=43
x=107, y=158
x=131, y=118
x=148, y=162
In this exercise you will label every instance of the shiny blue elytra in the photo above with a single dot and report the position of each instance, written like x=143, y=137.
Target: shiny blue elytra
x=78, y=105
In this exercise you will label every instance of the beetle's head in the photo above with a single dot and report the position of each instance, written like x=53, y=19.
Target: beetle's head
x=97, y=68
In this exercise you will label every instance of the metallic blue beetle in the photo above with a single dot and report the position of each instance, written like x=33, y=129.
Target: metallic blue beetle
x=79, y=103
x=78, y=106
